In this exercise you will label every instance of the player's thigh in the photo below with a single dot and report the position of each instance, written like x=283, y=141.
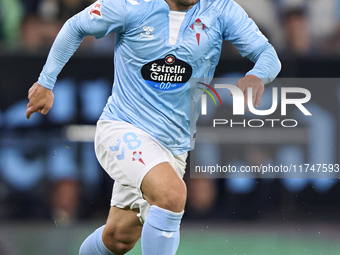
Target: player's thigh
x=127, y=153
x=122, y=227
x=164, y=187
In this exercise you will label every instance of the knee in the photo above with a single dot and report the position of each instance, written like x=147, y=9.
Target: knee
x=122, y=248
x=118, y=241
x=172, y=198
x=163, y=187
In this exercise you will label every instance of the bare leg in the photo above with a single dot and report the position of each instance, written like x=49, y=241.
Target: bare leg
x=165, y=191
x=122, y=230
x=163, y=187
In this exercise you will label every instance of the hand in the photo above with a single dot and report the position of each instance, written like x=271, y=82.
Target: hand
x=40, y=100
x=251, y=81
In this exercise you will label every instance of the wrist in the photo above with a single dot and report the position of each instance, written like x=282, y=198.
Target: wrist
x=251, y=76
x=46, y=81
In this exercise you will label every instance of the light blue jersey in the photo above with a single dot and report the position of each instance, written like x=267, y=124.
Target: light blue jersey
x=151, y=87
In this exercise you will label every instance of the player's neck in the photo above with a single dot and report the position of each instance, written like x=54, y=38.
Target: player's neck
x=177, y=6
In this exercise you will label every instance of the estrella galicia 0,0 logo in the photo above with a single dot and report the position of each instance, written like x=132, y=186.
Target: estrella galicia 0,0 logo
x=167, y=73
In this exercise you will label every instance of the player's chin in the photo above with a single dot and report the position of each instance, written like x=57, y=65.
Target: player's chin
x=188, y=2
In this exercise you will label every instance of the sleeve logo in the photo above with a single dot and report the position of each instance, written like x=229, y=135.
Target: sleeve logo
x=96, y=10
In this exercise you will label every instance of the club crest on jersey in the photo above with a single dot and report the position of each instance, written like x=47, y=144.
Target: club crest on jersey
x=96, y=10
x=167, y=73
x=198, y=27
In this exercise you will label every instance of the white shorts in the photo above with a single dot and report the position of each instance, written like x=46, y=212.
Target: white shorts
x=127, y=153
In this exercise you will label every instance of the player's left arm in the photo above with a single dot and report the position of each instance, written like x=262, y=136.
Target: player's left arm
x=267, y=66
x=243, y=33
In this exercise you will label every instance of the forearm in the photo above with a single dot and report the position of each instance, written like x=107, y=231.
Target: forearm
x=64, y=46
x=267, y=64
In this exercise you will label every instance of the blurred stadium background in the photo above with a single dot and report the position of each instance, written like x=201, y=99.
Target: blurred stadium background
x=53, y=193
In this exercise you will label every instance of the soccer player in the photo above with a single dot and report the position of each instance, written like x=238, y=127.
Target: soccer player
x=143, y=134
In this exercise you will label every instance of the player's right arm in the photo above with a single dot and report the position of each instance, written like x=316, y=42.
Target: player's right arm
x=99, y=19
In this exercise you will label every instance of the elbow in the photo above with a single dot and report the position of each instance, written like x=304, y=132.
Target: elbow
x=278, y=65
x=275, y=64
x=273, y=59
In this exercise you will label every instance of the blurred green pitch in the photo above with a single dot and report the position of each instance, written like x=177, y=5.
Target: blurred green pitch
x=197, y=238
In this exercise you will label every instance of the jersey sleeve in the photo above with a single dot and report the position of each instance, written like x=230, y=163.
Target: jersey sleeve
x=267, y=63
x=241, y=30
x=243, y=33
x=99, y=19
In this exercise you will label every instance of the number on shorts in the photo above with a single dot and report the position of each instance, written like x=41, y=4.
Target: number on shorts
x=131, y=140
